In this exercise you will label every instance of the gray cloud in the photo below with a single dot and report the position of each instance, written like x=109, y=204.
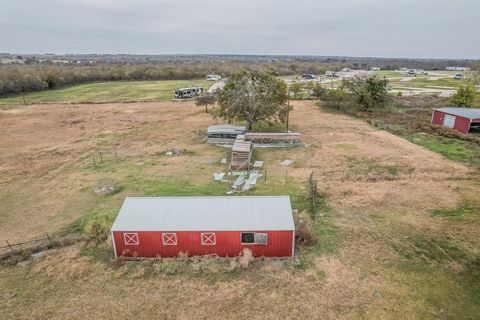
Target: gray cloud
x=387, y=28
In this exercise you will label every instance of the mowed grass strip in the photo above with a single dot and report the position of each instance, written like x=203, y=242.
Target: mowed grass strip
x=118, y=91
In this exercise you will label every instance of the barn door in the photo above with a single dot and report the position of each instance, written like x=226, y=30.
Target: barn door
x=449, y=121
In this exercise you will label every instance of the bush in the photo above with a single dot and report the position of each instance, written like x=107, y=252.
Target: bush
x=337, y=98
x=464, y=97
x=97, y=229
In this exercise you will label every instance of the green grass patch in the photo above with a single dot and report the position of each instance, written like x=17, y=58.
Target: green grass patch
x=451, y=148
x=466, y=208
x=115, y=91
x=418, y=248
x=438, y=293
x=424, y=82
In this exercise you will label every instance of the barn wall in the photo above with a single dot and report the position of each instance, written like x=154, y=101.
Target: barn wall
x=437, y=117
x=462, y=124
x=228, y=243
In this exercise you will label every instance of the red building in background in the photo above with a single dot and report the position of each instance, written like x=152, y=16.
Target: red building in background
x=460, y=119
x=165, y=226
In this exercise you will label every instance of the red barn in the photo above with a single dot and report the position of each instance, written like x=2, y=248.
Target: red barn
x=461, y=119
x=165, y=226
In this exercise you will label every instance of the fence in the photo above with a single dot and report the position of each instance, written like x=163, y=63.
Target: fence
x=19, y=247
x=312, y=185
x=40, y=243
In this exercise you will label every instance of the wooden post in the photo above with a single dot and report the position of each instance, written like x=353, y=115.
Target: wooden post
x=101, y=158
x=265, y=175
x=94, y=162
x=10, y=246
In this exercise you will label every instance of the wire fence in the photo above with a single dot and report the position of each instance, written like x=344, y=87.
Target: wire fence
x=312, y=186
x=40, y=243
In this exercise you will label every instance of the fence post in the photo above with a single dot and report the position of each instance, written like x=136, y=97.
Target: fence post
x=10, y=246
x=50, y=240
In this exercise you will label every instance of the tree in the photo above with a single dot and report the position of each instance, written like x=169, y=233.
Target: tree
x=318, y=92
x=368, y=92
x=335, y=98
x=295, y=88
x=474, y=74
x=205, y=100
x=464, y=97
x=253, y=97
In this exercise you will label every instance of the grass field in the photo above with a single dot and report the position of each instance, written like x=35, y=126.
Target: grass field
x=118, y=91
x=398, y=231
x=424, y=82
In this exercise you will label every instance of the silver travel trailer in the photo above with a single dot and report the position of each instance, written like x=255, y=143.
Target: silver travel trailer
x=186, y=93
x=331, y=74
x=213, y=77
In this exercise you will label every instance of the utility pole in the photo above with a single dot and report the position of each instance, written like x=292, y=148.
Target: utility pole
x=288, y=109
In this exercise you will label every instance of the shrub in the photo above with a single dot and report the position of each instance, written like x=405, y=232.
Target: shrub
x=464, y=97
x=97, y=229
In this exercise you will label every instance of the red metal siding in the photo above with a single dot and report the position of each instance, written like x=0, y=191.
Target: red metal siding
x=437, y=117
x=228, y=243
x=462, y=124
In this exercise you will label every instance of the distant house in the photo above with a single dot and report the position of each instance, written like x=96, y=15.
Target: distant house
x=457, y=68
x=375, y=69
x=154, y=227
x=460, y=119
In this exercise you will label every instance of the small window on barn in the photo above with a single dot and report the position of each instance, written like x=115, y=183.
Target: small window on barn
x=130, y=238
x=169, y=239
x=208, y=239
x=261, y=238
x=254, y=238
x=248, y=238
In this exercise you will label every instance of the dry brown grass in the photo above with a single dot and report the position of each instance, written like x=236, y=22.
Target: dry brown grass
x=45, y=157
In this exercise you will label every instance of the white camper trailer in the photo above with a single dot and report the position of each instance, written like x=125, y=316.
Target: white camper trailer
x=331, y=74
x=213, y=77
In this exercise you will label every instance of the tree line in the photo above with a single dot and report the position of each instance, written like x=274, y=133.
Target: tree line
x=40, y=75
x=17, y=79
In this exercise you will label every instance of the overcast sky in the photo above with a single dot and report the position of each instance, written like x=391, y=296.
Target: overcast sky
x=382, y=28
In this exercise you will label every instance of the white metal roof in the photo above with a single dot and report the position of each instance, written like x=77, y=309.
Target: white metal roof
x=462, y=112
x=234, y=213
x=226, y=128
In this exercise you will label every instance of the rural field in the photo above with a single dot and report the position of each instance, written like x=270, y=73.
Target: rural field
x=101, y=92
x=398, y=230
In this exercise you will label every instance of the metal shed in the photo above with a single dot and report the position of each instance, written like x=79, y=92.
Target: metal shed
x=460, y=119
x=224, y=133
x=165, y=226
